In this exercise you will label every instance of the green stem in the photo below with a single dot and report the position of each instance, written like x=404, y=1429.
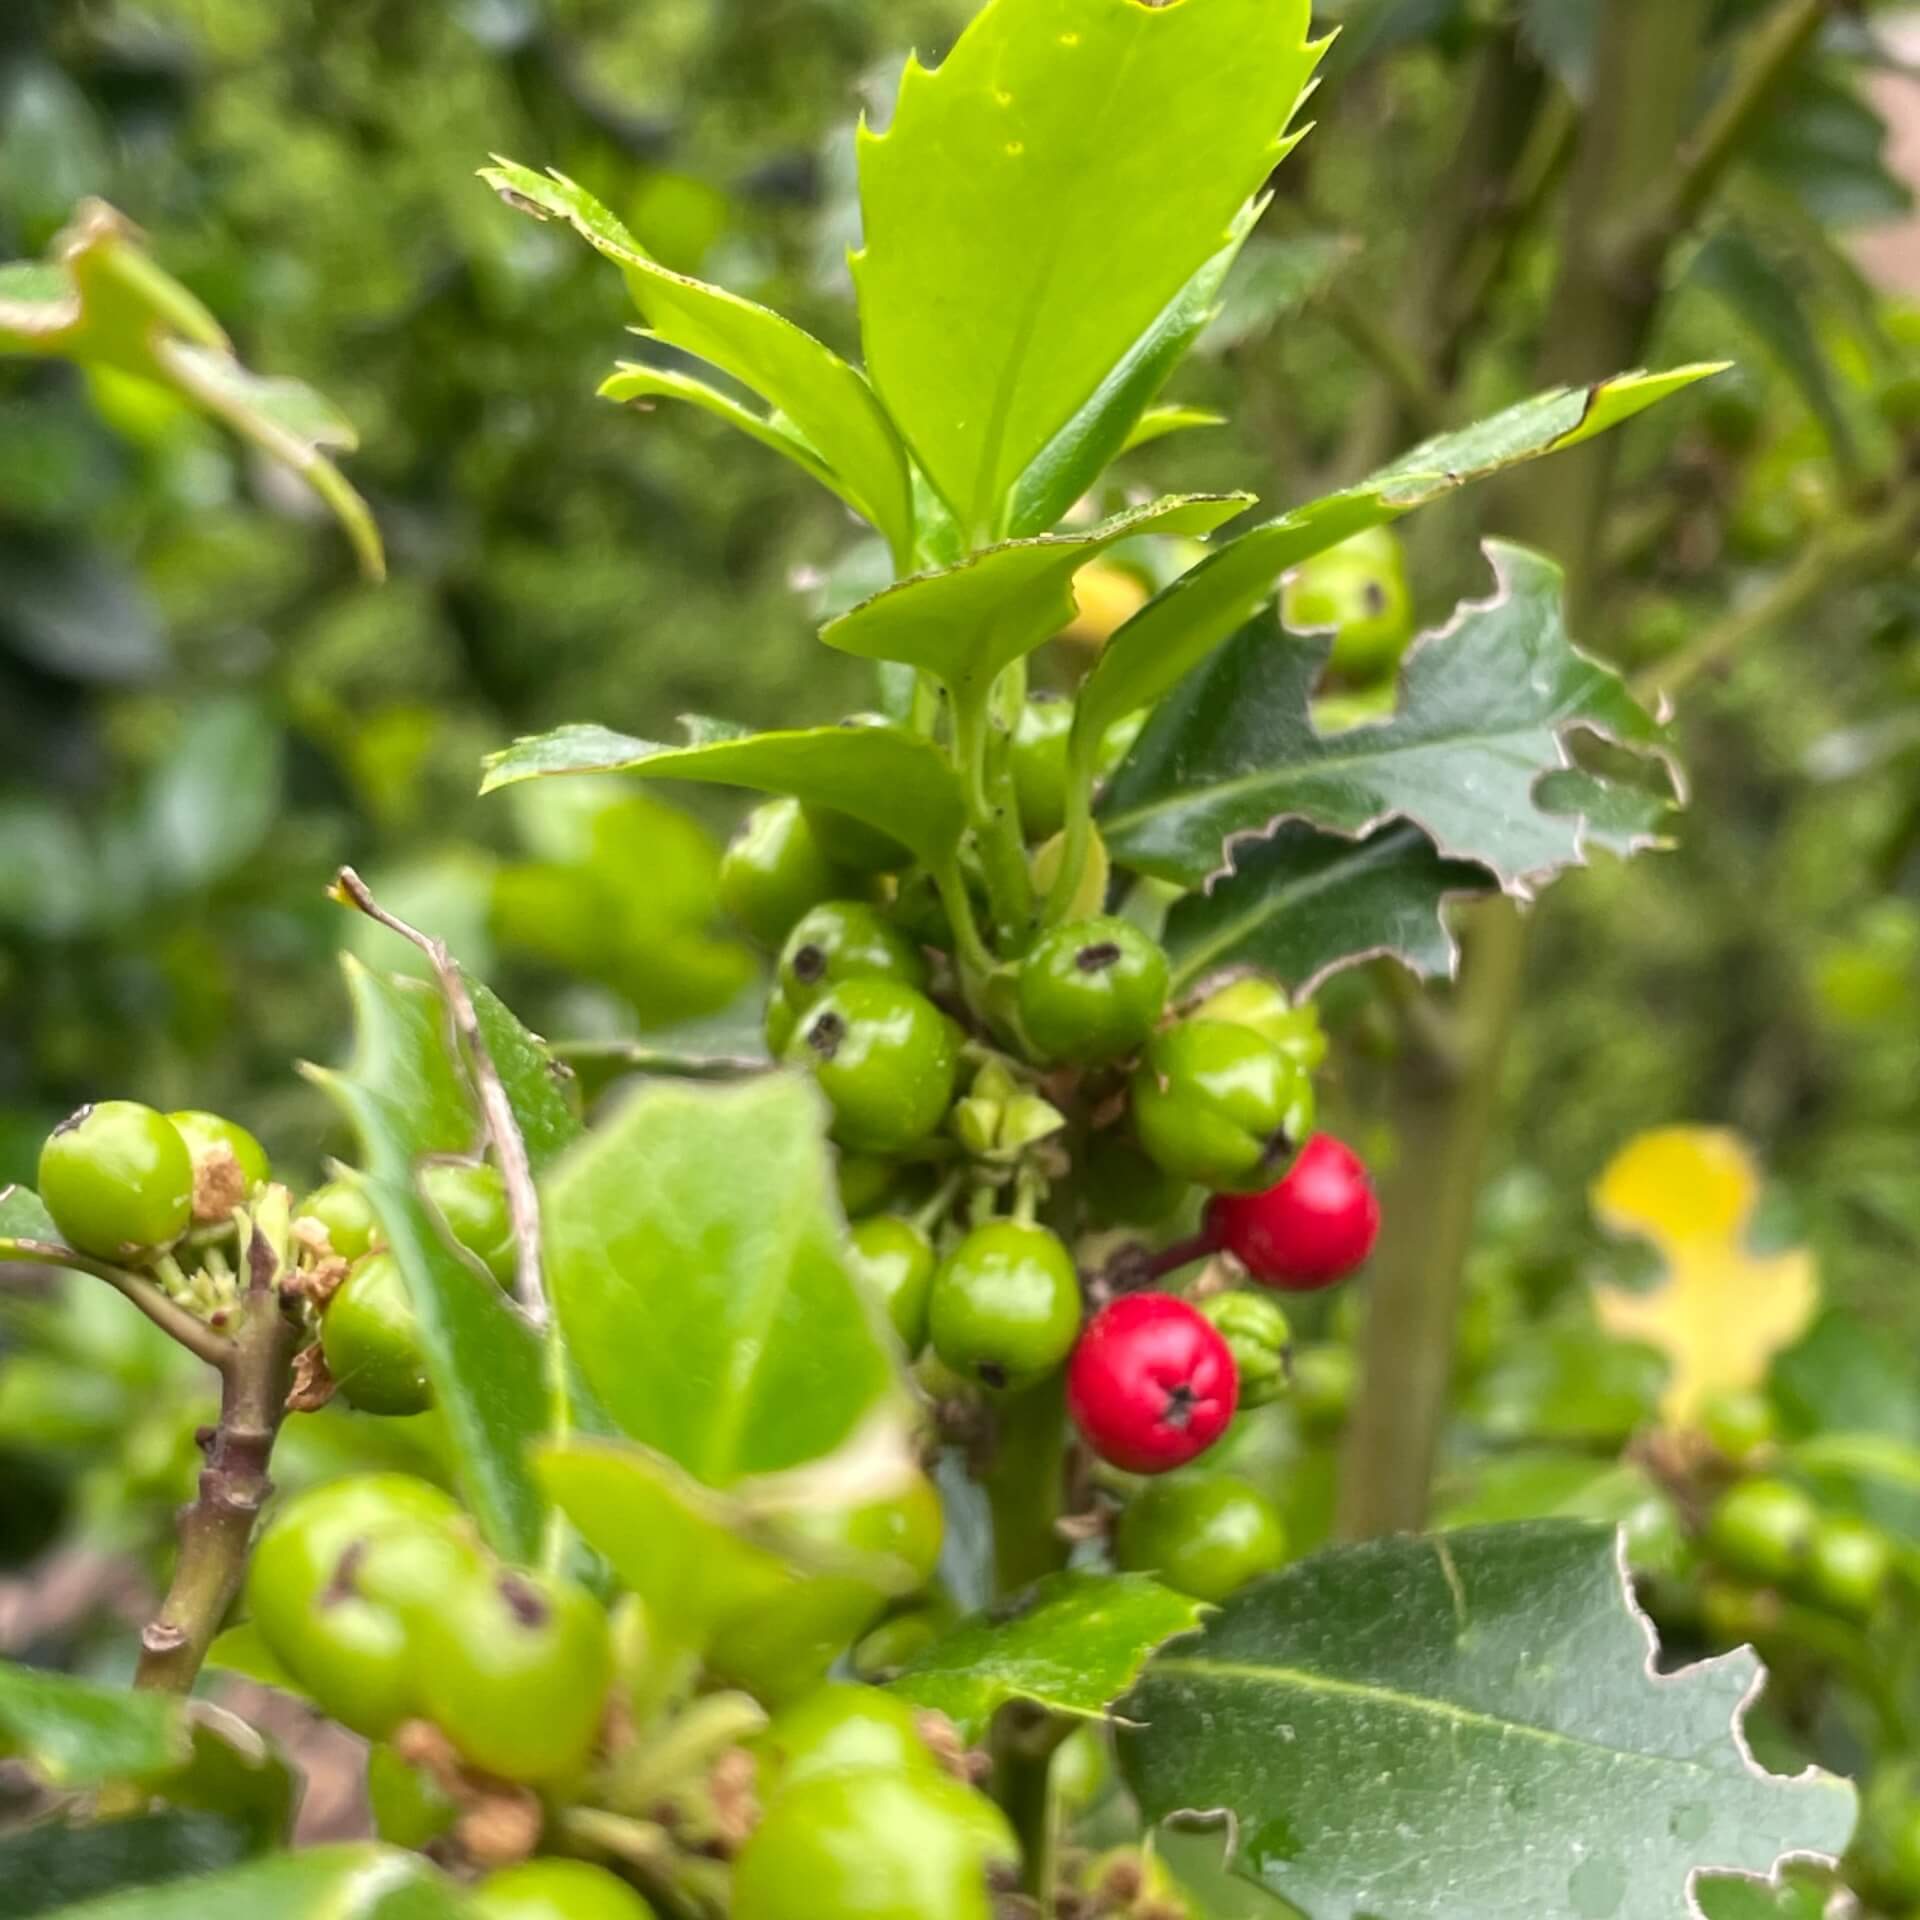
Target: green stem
x=217, y=1530
x=976, y=963
x=1077, y=840
x=996, y=821
x=1024, y=1486
x=169, y=1316
x=1024, y=1744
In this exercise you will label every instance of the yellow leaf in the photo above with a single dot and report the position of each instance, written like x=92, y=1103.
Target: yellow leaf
x=1723, y=1311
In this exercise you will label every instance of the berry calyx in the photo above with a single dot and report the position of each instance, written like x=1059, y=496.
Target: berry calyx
x=1312, y=1227
x=228, y=1163
x=1152, y=1384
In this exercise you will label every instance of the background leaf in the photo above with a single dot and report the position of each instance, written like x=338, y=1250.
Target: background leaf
x=1072, y=1643
x=893, y=780
x=1486, y=705
x=696, y=1264
x=321, y=1883
x=50, y=1867
x=1057, y=138
x=1465, y=1728
x=74, y=1733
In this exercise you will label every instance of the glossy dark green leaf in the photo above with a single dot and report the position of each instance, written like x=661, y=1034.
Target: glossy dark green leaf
x=965, y=623
x=1018, y=242
x=698, y=1270
x=827, y=402
x=405, y=1097
x=54, y=1866
x=1486, y=707
x=356, y=1882
x=1465, y=1728
x=74, y=1733
x=1300, y=904
x=1112, y=419
x=891, y=779
x=1180, y=626
x=1073, y=1643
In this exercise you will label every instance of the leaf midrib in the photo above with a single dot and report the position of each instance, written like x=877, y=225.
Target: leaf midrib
x=1417, y=1705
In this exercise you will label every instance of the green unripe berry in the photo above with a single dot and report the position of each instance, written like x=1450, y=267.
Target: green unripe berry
x=345, y=1214
x=1848, y=1566
x=1359, y=590
x=897, y=1640
x=1222, y=1105
x=1203, y=1537
x=842, y=940
x=555, y=1890
x=118, y=1180
x=1254, y=1326
x=894, y=1261
x=865, y=1179
x=409, y=1807
x=1325, y=1379
x=773, y=871
x=1005, y=1308
x=1038, y=758
x=1763, y=1529
x=1091, y=991
x=371, y=1338
x=1738, y=1422
x=839, y=1728
x=1259, y=1004
x=473, y=1203
x=228, y=1163
x=885, y=1058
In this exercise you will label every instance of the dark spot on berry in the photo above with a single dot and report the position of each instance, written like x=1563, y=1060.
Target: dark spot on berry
x=993, y=1374
x=1279, y=1147
x=1098, y=957
x=345, y=1571
x=809, y=963
x=1046, y=697
x=77, y=1118
x=1179, y=1409
x=825, y=1035
x=1375, y=596
x=523, y=1602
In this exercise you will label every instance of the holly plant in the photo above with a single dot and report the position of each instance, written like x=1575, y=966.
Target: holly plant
x=837, y=1422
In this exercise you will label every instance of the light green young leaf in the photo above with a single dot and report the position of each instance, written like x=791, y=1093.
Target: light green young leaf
x=407, y=1102
x=101, y=301
x=1180, y=626
x=966, y=623
x=1072, y=1644
x=1486, y=707
x=1117, y=417
x=1160, y=423
x=75, y=1733
x=1041, y=198
x=896, y=781
x=828, y=402
x=1488, y=1699
x=631, y=384
x=22, y=1217
x=355, y=1882
x=701, y=1280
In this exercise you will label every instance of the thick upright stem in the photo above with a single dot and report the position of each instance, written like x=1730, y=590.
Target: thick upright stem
x=1024, y=1486
x=217, y=1530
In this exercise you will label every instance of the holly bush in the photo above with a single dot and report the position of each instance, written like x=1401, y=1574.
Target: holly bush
x=842, y=1482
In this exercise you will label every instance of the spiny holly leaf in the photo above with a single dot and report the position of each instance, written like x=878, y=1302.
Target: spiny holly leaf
x=702, y=1284
x=356, y=1882
x=635, y=385
x=1038, y=202
x=51, y=1866
x=1119, y=416
x=1300, y=904
x=1465, y=1728
x=102, y=301
x=893, y=780
x=1486, y=707
x=965, y=623
x=1180, y=626
x=407, y=1101
x=816, y=397
x=1723, y=1311
x=74, y=1733
x=1072, y=1643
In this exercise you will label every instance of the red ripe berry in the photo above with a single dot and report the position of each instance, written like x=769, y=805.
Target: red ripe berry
x=1151, y=1383
x=1311, y=1229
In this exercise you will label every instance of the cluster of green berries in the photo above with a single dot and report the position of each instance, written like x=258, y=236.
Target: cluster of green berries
x=1067, y=1081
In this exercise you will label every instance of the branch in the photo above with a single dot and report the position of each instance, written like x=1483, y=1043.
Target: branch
x=516, y=1171
x=1676, y=201
x=169, y=1316
x=1847, y=551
